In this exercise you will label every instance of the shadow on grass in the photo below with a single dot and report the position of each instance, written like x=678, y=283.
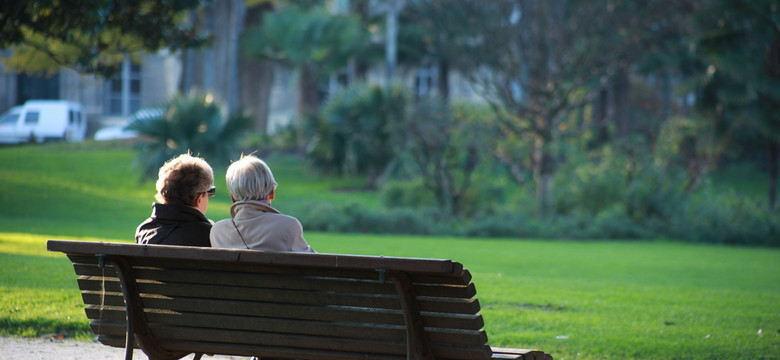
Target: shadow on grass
x=526, y=306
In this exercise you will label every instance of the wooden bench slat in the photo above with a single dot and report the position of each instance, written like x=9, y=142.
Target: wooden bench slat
x=430, y=304
x=282, y=281
x=389, y=317
x=464, y=278
x=338, y=328
x=366, y=273
x=395, y=347
x=293, y=283
x=236, y=267
x=253, y=256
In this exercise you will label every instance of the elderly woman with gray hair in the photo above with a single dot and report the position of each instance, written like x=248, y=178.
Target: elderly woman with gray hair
x=254, y=224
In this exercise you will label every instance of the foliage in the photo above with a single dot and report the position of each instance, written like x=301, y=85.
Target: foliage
x=306, y=37
x=726, y=218
x=406, y=194
x=312, y=41
x=444, y=146
x=737, y=80
x=351, y=134
x=92, y=36
x=195, y=123
x=433, y=32
x=355, y=218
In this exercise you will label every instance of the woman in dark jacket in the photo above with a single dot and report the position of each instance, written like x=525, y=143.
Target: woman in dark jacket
x=184, y=186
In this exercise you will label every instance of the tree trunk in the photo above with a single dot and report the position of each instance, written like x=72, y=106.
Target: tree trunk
x=256, y=78
x=601, y=120
x=622, y=112
x=308, y=99
x=228, y=18
x=774, y=149
x=444, y=80
x=544, y=169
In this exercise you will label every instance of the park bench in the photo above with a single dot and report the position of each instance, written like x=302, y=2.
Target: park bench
x=179, y=300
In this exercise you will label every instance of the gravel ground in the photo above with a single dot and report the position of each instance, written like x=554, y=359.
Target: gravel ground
x=46, y=348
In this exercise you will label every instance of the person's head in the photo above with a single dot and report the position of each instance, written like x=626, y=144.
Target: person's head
x=186, y=181
x=249, y=178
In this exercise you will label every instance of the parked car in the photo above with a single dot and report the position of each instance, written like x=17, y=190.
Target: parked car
x=43, y=120
x=122, y=131
x=8, y=123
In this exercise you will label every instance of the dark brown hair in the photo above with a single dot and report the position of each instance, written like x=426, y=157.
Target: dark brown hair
x=182, y=179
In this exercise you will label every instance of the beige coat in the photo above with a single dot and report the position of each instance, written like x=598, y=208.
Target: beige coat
x=258, y=226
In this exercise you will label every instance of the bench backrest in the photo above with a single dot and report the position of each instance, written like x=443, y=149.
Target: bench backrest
x=286, y=305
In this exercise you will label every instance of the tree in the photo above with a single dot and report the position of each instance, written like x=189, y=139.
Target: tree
x=445, y=146
x=195, y=122
x=547, y=59
x=737, y=44
x=539, y=55
x=441, y=32
x=92, y=36
x=351, y=134
x=256, y=79
x=312, y=41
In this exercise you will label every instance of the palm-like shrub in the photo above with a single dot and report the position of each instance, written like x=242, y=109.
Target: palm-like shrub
x=351, y=134
x=196, y=123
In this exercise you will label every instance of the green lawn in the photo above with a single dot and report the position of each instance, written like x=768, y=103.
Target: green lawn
x=576, y=300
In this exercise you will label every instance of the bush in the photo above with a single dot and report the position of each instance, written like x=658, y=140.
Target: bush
x=615, y=223
x=196, y=122
x=351, y=133
x=504, y=224
x=409, y=194
x=590, y=185
x=726, y=218
x=354, y=218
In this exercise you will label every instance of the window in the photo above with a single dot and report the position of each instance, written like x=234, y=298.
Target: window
x=425, y=80
x=31, y=118
x=129, y=79
x=9, y=119
x=75, y=118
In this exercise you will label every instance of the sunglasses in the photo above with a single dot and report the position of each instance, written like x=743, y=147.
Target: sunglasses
x=211, y=191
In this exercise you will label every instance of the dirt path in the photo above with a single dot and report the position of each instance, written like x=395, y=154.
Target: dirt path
x=12, y=348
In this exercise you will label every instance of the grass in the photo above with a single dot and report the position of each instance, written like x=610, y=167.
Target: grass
x=576, y=300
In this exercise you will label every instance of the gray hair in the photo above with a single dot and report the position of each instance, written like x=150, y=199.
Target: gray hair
x=249, y=178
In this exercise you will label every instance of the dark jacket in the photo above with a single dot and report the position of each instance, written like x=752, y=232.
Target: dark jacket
x=174, y=225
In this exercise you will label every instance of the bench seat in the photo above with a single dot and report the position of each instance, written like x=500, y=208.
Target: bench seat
x=180, y=300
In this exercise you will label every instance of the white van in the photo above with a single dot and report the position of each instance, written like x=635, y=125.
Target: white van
x=42, y=120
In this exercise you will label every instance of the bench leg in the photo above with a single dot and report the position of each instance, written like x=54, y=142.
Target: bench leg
x=416, y=342
x=137, y=330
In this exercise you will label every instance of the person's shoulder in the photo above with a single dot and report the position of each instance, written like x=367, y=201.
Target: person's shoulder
x=287, y=218
x=220, y=227
x=221, y=223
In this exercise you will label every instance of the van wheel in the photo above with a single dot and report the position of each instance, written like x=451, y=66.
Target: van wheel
x=35, y=139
